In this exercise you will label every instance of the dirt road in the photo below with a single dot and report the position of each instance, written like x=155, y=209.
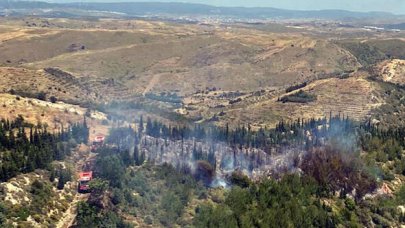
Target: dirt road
x=155, y=79
x=80, y=156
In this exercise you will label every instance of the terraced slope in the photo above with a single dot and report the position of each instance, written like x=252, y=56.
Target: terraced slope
x=107, y=60
x=30, y=83
x=55, y=115
x=355, y=97
x=232, y=60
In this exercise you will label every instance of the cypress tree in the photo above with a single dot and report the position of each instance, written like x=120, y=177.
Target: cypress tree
x=140, y=127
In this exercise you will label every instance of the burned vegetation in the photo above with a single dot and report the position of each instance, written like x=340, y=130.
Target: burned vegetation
x=203, y=156
x=305, y=165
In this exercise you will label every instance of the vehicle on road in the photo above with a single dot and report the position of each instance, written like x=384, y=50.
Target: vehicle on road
x=84, y=179
x=97, y=143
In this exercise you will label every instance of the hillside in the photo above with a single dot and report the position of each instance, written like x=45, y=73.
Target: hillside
x=393, y=71
x=206, y=124
x=88, y=62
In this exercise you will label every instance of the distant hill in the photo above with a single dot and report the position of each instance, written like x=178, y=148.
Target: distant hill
x=184, y=9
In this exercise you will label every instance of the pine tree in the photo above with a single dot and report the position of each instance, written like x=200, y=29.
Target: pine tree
x=31, y=135
x=85, y=131
x=149, y=127
x=137, y=156
x=142, y=158
x=211, y=157
x=52, y=176
x=61, y=181
x=126, y=158
x=140, y=127
x=25, y=154
x=195, y=156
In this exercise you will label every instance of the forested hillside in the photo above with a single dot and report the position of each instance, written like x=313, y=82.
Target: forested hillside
x=337, y=176
x=32, y=184
x=187, y=115
x=25, y=147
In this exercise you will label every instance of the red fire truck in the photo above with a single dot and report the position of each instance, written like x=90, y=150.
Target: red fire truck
x=84, y=179
x=97, y=143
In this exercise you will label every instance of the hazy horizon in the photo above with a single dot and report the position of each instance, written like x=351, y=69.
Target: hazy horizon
x=392, y=6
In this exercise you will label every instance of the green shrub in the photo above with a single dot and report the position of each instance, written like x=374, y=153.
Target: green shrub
x=53, y=99
x=239, y=179
x=298, y=97
x=350, y=204
x=64, y=176
x=41, y=194
x=41, y=96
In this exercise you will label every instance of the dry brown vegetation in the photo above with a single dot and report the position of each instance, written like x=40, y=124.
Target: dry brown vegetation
x=54, y=115
x=355, y=97
x=393, y=71
x=56, y=71
x=232, y=59
x=108, y=60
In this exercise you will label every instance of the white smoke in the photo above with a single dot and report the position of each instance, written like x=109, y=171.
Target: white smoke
x=252, y=162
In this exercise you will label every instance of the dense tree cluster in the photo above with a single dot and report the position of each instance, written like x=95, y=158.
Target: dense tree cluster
x=350, y=135
x=165, y=191
x=91, y=216
x=290, y=202
x=298, y=97
x=333, y=147
x=331, y=165
x=25, y=147
x=296, y=201
x=110, y=166
x=165, y=97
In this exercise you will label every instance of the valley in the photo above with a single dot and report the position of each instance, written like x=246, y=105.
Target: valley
x=93, y=62
x=232, y=120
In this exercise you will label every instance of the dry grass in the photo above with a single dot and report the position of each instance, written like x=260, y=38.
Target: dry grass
x=355, y=97
x=34, y=81
x=393, y=71
x=125, y=59
x=133, y=52
x=54, y=115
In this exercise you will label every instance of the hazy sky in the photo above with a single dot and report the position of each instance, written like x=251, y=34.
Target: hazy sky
x=394, y=6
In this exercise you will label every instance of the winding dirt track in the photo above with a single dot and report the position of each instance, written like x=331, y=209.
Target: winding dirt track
x=155, y=79
x=69, y=215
